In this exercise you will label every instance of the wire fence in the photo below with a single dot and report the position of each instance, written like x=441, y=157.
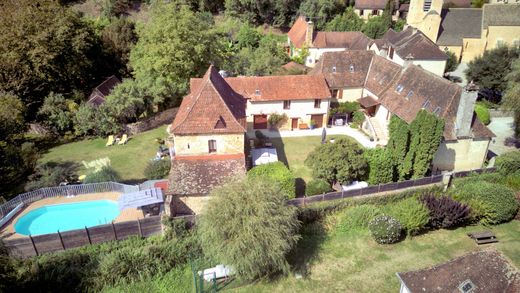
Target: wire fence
x=67, y=190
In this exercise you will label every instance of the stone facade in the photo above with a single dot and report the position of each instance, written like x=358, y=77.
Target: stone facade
x=198, y=144
x=462, y=154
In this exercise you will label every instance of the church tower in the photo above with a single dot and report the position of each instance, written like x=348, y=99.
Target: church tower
x=425, y=15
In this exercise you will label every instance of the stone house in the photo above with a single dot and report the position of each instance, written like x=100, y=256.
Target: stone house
x=301, y=98
x=411, y=46
x=303, y=36
x=98, y=95
x=467, y=32
x=368, y=8
x=384, y=88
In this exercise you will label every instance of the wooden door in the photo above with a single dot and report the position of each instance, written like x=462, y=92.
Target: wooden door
x=260, y=122
x=294, y=123
x=318, y=119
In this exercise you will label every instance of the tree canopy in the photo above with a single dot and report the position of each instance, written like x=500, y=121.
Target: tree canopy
x=347, y=21
x=341, y=161
x=512, y=94
x=248, y=226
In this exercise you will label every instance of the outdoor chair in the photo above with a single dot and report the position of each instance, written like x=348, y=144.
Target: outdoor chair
x=110, y=140
x=123, y=140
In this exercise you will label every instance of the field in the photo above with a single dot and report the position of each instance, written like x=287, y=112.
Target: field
x=128, y=160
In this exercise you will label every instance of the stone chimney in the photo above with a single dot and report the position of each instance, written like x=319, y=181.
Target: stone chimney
x=464, y=117
x=309, y=33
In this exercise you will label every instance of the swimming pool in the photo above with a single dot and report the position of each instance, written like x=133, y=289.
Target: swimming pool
x=66, y=217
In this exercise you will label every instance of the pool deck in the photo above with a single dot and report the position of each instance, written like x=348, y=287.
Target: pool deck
x=128, y=214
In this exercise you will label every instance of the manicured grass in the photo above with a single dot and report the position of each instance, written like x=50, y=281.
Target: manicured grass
x=129, y=160
x=294, y=150
x=353, y=262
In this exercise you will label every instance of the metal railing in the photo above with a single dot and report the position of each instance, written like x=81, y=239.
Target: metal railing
x=67, y=190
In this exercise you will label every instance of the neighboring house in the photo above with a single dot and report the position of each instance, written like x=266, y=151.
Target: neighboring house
x=368, y=8
x=208, y=135
x=98, y=95
x=467, y=32
x=411, y=46
x=301, y=97
x=302, y=36
x=389, y=89
x=481, y=271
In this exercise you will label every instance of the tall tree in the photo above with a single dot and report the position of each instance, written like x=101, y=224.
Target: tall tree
x=375, y=27
x=512, y=94
x=56, y=114
x=272, y=12
x=347, y=21
x=118, y=38
x=43, y=47
x=398, y=142
x=175, y=45
x=321, y=11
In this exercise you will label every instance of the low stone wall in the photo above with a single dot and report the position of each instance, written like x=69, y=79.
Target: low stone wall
x=164, y=117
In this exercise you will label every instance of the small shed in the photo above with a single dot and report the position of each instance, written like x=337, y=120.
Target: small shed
x=264, y=156
x=98, y=95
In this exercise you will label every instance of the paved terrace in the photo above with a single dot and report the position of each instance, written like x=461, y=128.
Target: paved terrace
x=338, y=130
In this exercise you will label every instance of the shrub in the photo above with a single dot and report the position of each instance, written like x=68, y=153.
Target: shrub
x=278, y=173
x=445, y=212
x=385, y=229
x=343, y=108
x=52, y=174
x=105, y=174
x=490, y=203
x=380, y=165
x=157, y=169
x=255, y=230
x=357, y=119
x=277, y=120
x=317, y=186
x=513, y=181
x=358, y=217
x=508, y=163
x=483, y=113
x=411, y=213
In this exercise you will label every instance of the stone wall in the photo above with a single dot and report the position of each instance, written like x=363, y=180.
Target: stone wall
x=164, y=117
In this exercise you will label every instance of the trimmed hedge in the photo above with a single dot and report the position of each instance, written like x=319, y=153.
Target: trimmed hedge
x=157, y=169
x=106, y=174
x=411, y=213
x=358, y=217
x=508, y=163
x=277, y=172
x=385, y=229
x=317, y=186
x=490, y=203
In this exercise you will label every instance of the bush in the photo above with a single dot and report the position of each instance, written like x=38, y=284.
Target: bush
x=358, y=217
x=343, y=108
x=277, y=120
x=52, y=174
x=278, y=173
x=105, y=174
x=385, y=229
x=445, y=212
x=255, y=230
x=357, y=119
x=508, y=163
x=483, y=114
x=317, y=186
x=490, y=203
x=411, y=213
x=157, y=169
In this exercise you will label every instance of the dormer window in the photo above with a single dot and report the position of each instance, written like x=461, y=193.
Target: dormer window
x=257, y=92
x=351, y=68
x=426, y=104
x=333, y=68
x=399, y=88
x=409, y=95
x=437, y=111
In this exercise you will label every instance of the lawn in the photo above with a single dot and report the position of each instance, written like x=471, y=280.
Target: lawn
x=129, y=160
x=353, y=262
x=294, y=150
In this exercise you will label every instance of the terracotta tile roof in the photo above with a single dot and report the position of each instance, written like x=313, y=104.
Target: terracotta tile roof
x=97, y=97
x=348, y=40
x=373, y=4
x=415, y=89
x=368, y=102
x=192, y=175
x=412, y=42
x=345, y=68
x=382, y=72
x=459, y=23
x=278, y=88
x=298, y=31
x=488, y=271
x=211, y=101
x=294, y=65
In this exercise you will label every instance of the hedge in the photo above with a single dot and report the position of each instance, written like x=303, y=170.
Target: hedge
x=157, y=169
x=277, y=172
x=317, y=186
x=508, y=163
x=411, y=213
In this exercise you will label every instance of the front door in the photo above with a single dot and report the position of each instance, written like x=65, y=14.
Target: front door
x=318, y=119
x=294, y=123
x=260, y=122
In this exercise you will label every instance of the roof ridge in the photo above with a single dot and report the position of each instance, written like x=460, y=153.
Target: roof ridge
x=225, y=103
x=195, y=96
x=368, y=71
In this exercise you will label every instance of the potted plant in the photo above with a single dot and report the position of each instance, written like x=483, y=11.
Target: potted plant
x=312, y=124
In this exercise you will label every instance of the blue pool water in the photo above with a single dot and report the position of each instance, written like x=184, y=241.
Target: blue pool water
x=66, y=217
